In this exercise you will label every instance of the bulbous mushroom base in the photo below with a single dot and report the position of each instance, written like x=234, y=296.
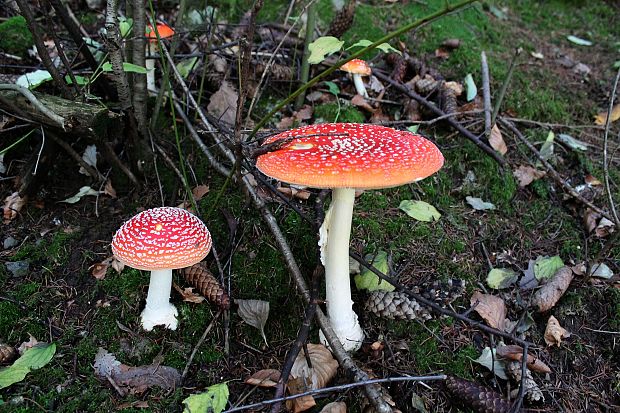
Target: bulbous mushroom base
x=350, y=337
x=163, y=316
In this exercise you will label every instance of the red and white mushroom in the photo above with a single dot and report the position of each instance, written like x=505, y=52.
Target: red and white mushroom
x=164, y=32
x=358, y=68
x=345, y=157
x=160, y=240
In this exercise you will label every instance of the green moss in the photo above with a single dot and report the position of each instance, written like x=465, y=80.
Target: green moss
x=15, y=38
x=9, y=313
x=331, y=112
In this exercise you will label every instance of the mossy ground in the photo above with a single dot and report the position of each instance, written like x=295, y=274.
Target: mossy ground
x=60, y=301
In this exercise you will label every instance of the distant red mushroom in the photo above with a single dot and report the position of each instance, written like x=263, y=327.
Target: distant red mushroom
x=160, y=240
x=164, y=32
x=358, y=68
x=345, y=157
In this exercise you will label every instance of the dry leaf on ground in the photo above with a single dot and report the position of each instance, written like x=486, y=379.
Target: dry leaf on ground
x=554, y=333
x=264, y=378
x=334, y=407
x=300, y=404
x=491, y=308
x=550, y=293
x=27, y=344
x=109, y=190
x=99, y=270
x=497, y=141
x=135, y=379
x=526, y=174
x=514, y=352
x=223, y=103
x=601, y=118
x=12, y=205
x=255, y=313
x=304, y=378
x=188, y=294
x=360, y=102
x=200, y=191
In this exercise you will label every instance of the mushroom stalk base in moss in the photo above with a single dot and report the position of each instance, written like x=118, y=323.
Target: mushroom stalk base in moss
x=334, y=244
x=158, y=310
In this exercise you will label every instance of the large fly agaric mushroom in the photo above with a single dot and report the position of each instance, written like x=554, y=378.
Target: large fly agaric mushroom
x=164, y=32
x=358, y=68
x=345, y=157
x=160, y=240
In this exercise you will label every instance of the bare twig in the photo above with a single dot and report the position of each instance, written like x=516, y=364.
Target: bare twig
x=456, y=125
x=610, y=198
x=26, y=10
x=486, y=94
x=337, y=388
x=551, y=170
x=502, y=91
x=35, y=102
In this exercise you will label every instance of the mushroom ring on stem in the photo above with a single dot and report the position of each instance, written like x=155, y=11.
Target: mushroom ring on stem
x=345, y=157
x=160, y=240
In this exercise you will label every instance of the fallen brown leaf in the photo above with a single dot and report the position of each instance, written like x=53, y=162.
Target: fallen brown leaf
x=189, y=295
x=334, y=407
x=292, y=192
x=304, y=378
x=554, y=333
x=200, y=191
x=300, y=404
x=497, y=141
x=27, y=344
x=491, y=308
x=360, y=102
x=98, y=270
x=109, y=190
x=12, y=205
x=601, y=118
x=526, y=174
x=549, y=294
x=514, y=352
x=264, y=378
x=223, y=103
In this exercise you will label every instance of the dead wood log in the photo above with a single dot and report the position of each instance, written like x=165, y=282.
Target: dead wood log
x=84, y=119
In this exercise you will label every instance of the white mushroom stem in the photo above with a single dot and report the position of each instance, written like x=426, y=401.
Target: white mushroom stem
x=334, y=243
x=359, y=85
x=158, y=310
x=150, y=67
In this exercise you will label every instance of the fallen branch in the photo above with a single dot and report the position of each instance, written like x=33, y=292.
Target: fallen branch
x=38, y=106
x=453, y=123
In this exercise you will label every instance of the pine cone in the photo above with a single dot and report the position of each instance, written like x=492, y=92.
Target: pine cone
x=342, y=21
x=7, y=353
x=400, y=69
x=447, y=99
x=532, y=391
x=480, y=398
x=201, y=278
x=396, y=306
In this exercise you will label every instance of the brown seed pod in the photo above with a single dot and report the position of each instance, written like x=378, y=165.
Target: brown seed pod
x=199, y=276
x=476, y=396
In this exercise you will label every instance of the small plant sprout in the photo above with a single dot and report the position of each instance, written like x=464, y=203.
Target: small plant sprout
x=358, y=68
x=160, y=240
x=152, y=47
x=345, y=157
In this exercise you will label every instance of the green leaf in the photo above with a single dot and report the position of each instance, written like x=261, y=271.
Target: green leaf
x=124, y=26
x=186, y=66
x=32, y=359
x=368, y=280
x=546, y=267
x=323, y=46
x=384, y=47
x=213, y=400
x=472, y=90
x=80, y=80
x=420, y=210
x=579, y=41
x=127, y=67
x=414, y=128
x=333, y=88
x=499, y=278
x=33, y=79
x=617, y=64
x=546, y=150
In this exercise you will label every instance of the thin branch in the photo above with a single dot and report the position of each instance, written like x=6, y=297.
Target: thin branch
x=502, y=91
x=610, y=198
x=339, y=388
x=94, y=173
x=139, y=94
x=456, y=125
x=35, y=102
x=554, y=174
x=486, y=94
x=113, y=42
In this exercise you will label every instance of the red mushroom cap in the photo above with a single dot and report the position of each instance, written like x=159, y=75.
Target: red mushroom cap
x=356, y=67
x=162, y=238
x=350, y=155
x=163, y=29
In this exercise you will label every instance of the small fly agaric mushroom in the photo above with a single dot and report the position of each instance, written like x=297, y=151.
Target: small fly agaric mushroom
x=160, y=240
x=358, y=68
x=345, y=157
x=164, y=32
